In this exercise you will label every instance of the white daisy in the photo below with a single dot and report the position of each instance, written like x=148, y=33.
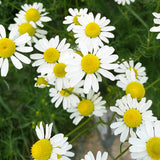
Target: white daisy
x=156, y=21
x=48, y=147
x=146, y=146
x=29, y=27
x=72, y=19
x=137, y=68
x=10, y=48
x=92, y=32
x=91, y=105
x=134, y=114
x=51, y=51
x=99, y=156
x=41, y=82
x=132, y=85
x=69, y=98
x=35, y=13
x=91, y=67
x=123, y=2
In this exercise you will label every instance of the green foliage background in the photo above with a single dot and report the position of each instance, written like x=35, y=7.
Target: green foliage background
x=22, y=105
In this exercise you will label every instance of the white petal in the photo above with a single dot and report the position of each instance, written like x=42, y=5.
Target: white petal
x=4, y=68
x=16, y=62
x=22, y=58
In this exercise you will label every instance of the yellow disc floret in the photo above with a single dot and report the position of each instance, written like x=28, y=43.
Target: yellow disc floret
x=59, y=70
x=75, y=20
x=135, y=71
x=136, y=90
x=85, y=107
x=7, y=47
x=26, y=28
x=66, y=92
x=32, y=14
x=153, y=148
x=51, y=55
x=90, y=63
x=41, y=150
x=92, y=30
x=41, y=81
x=132, y=118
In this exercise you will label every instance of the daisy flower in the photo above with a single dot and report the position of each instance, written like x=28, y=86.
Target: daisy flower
x=134, y=114
x=68, y=96
x=92, y=32
x=137, y=68
x=123, y=2
x=99, y=156
x=147, y=143
x=156, y=21
x=91, y=105
x=35, y=13
x=29, y=27
x=48, y=148
x=50, y=52
x=132, y=85
x=41, y=82
x=11, y=48
x=72, y=19
x=91, y=67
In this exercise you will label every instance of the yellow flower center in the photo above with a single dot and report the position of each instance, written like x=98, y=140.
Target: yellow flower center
x=136, y=90
x=26, y=28
x=7, y=47
x=92, y=30
x=59, y=70
x=132, y=118
x=75, y=20
x=66, y=92
x=90, y=63
x=41, y=150
x=85, y=107
x=41, y=80
x=32, y=14
x=153, y=148
x=51, y=55
x=59, y=156
x=135, y=71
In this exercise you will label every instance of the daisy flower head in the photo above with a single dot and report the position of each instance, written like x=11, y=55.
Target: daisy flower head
x=137, y=68
x=131, y=85
x=72, y=19
x=47, y=147
x=134, y=114
x=123, y=2
x=10, y=48
x=41, y=82
x=92, y=32
x=99, y=156
x=29, y=27
x=50, y=53
x=157, y=22
x=35, y=13
x=68, y=96
x=147, y=143
x=91, y=105
x=91, y=67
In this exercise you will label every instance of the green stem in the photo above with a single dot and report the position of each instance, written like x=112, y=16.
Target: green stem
x=77, y=6
x=153, y=83
x=107, y=123
x=11, y=4
x=52, y=28
x=79, y=126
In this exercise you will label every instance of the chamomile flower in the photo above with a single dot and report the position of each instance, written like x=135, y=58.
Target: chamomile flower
x=91, y=67
x=134, y=114
x=91, y=105
x=41, y=82
x=29, y=27
x=137, y=68
x=132, y=85
x=67, y=96
x=72, y=19
x=92, y=32
x=147, y=143
x=99, y=156
x=123, y=2
x=156, y=21
x=50, y=52
x=47, y=147
x=35, y=13
x=10, y=48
